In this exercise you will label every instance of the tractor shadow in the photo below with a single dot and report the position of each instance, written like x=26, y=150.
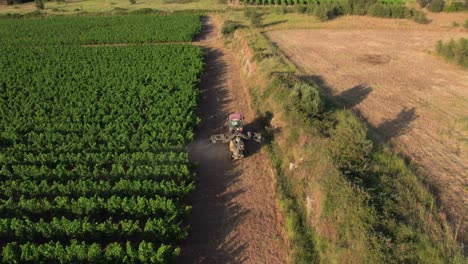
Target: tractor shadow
x=261, y=124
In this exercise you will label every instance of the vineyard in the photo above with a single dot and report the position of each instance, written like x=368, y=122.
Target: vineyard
x=92, y=160
x=99, y=30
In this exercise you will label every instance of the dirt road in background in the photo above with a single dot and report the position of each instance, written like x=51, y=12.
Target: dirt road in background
x=235, y=218
x=409, y=97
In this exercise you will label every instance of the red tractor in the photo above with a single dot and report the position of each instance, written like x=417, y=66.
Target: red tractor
x=235, y=136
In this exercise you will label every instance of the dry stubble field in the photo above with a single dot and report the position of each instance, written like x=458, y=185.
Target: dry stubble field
x=410, y=97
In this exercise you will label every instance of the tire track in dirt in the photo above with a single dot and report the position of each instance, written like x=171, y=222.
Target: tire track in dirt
x=234, y=218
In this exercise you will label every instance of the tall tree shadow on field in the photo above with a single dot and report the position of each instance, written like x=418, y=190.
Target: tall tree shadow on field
x=346, y=99
x=274, y=23
x=354, y=95
x=350, y=98
x=398, y=126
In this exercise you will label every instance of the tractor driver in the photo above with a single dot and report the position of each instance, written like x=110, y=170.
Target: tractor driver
x=236, y=122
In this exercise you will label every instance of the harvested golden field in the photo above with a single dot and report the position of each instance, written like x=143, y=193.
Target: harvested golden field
x=410, y=97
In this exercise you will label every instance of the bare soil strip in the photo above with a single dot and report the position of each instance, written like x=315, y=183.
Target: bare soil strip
x=409, y=97
x=235, y=218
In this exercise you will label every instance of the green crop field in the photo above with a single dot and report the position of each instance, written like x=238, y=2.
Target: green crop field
x=99, y=30
x=92, y=160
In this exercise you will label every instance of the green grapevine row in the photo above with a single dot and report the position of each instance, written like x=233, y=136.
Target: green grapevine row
x=63, y=173
x=60, y=229
x=91, y=206
x=88, y=188
x=81, y=252
x=98, y=158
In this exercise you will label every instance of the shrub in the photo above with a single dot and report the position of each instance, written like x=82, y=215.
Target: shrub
x=283, y=9
x=248, y=12
x=439, y=46
x=325, y=11
x=361, y=3
x=388, y=10
x=178, y=1
x=465, y=25
x=436, y=6
x=132, y=2
x=423, y=3
x=306, y=100
x=310, y=8
x=229, y=27
x=446, y=50
x=35, y=13
x=39, y=4
x=358, y=7
x=419, y=17
x=455, y=7
x=120, y=10
x=320, y=11
x=399, y=11
x=359, y=10
x=256, y=19
x=456, y=51
x=301, y=9
x=349, y=147
x=379, y=10
x=143, y=11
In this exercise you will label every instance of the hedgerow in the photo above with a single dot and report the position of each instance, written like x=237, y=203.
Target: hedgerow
x=329, y=9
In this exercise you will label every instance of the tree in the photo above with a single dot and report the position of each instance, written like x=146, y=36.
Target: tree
x=256, y=19
x=436, y=6
x=306, y=100
x=423, y=3
x=349, y=147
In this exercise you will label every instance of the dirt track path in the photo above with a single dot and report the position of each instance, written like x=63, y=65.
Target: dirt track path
x=235, y=218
